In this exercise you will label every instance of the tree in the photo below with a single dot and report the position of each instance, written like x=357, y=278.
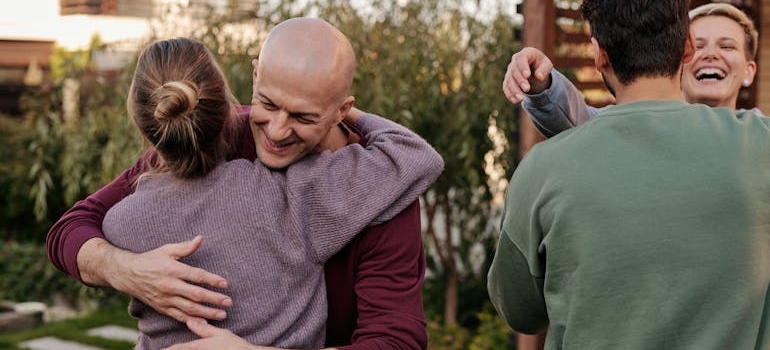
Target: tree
x=438, y=70
x=77, y=134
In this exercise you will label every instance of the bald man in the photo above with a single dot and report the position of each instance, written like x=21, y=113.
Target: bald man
x=301, y=91
x=301, y=95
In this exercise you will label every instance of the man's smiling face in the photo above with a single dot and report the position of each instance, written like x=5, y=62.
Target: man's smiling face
x=290, y=116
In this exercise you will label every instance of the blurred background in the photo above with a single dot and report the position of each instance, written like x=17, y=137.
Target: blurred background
x=436, y=66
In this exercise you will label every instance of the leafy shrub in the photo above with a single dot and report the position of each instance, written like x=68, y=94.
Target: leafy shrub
x=491, y=334
x=447, y=337
x=17, y=215
x=27, y=275
x=54, y=157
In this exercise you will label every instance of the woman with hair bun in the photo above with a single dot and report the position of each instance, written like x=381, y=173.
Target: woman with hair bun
x=180, y=102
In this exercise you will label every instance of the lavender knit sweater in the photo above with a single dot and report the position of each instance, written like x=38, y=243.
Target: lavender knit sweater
x=270, y=232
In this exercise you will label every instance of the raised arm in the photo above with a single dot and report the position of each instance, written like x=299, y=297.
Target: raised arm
x=393, y=169
x=395, y=166
x=553, y=103
x=558, y=108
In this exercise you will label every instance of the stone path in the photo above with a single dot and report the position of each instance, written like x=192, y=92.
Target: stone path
x=115, y=332
x=52, y=343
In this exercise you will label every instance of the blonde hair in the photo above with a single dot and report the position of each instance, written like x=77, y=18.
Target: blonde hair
x=727, y=10
x=180, y=101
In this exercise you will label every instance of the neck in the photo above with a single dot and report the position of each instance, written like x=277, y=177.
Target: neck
x=649, y=89
x=732, y=103
x=334, y=140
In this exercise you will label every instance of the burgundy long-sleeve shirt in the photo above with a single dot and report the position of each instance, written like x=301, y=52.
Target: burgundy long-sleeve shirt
x=374, y=285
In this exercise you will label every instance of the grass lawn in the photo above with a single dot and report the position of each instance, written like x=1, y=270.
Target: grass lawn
x=75, y=330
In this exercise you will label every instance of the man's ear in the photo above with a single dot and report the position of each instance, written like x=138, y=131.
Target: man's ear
x=689, y=48
x=601, y=61
x=255, y=65
x=345, y=108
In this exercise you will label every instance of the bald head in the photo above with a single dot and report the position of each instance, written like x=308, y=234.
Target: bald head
x=312, y=50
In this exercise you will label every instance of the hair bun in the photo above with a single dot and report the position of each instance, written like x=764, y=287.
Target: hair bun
x=175, y=99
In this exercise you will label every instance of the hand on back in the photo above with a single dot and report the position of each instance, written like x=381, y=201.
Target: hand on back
x=171, y=287
x=214, y=338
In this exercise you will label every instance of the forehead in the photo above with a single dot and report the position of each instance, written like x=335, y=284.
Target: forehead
x=717, y=27
x=291, y=91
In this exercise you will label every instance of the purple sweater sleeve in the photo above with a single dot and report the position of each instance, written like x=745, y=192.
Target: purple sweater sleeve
x=394, y=169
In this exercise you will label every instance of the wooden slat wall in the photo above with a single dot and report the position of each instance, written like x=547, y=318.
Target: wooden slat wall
x=573, y=53
x=547, y=27
x=131, y=8
x=87, y=7
x=762, y=80
x=537, y=32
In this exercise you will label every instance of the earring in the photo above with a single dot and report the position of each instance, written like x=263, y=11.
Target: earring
x=746, y=82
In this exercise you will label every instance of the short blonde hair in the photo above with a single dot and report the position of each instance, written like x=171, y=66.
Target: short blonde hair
x=727, y=10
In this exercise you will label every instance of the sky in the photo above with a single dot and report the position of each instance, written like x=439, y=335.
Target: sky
x=40, y=19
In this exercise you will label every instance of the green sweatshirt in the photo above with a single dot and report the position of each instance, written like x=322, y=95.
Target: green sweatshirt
x=647, y=227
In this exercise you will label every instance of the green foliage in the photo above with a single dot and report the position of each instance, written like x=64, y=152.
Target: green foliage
x=490, y=334
x=61, y=156
x=474, y=297
x=26, y=274
x=15, y=185
x=437, y=69
x=55, y=157
x=233, y=36
x=447, y=337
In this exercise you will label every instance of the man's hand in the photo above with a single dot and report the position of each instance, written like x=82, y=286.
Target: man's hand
x=529, y=72
x=214, y=338
x=156, y=278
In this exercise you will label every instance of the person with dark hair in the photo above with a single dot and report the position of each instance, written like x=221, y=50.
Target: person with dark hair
x=648, y=227
x=726, y=42
x=374, y=283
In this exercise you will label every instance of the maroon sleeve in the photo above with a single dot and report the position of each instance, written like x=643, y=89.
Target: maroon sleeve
x=389, y=274
x=83, y=220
